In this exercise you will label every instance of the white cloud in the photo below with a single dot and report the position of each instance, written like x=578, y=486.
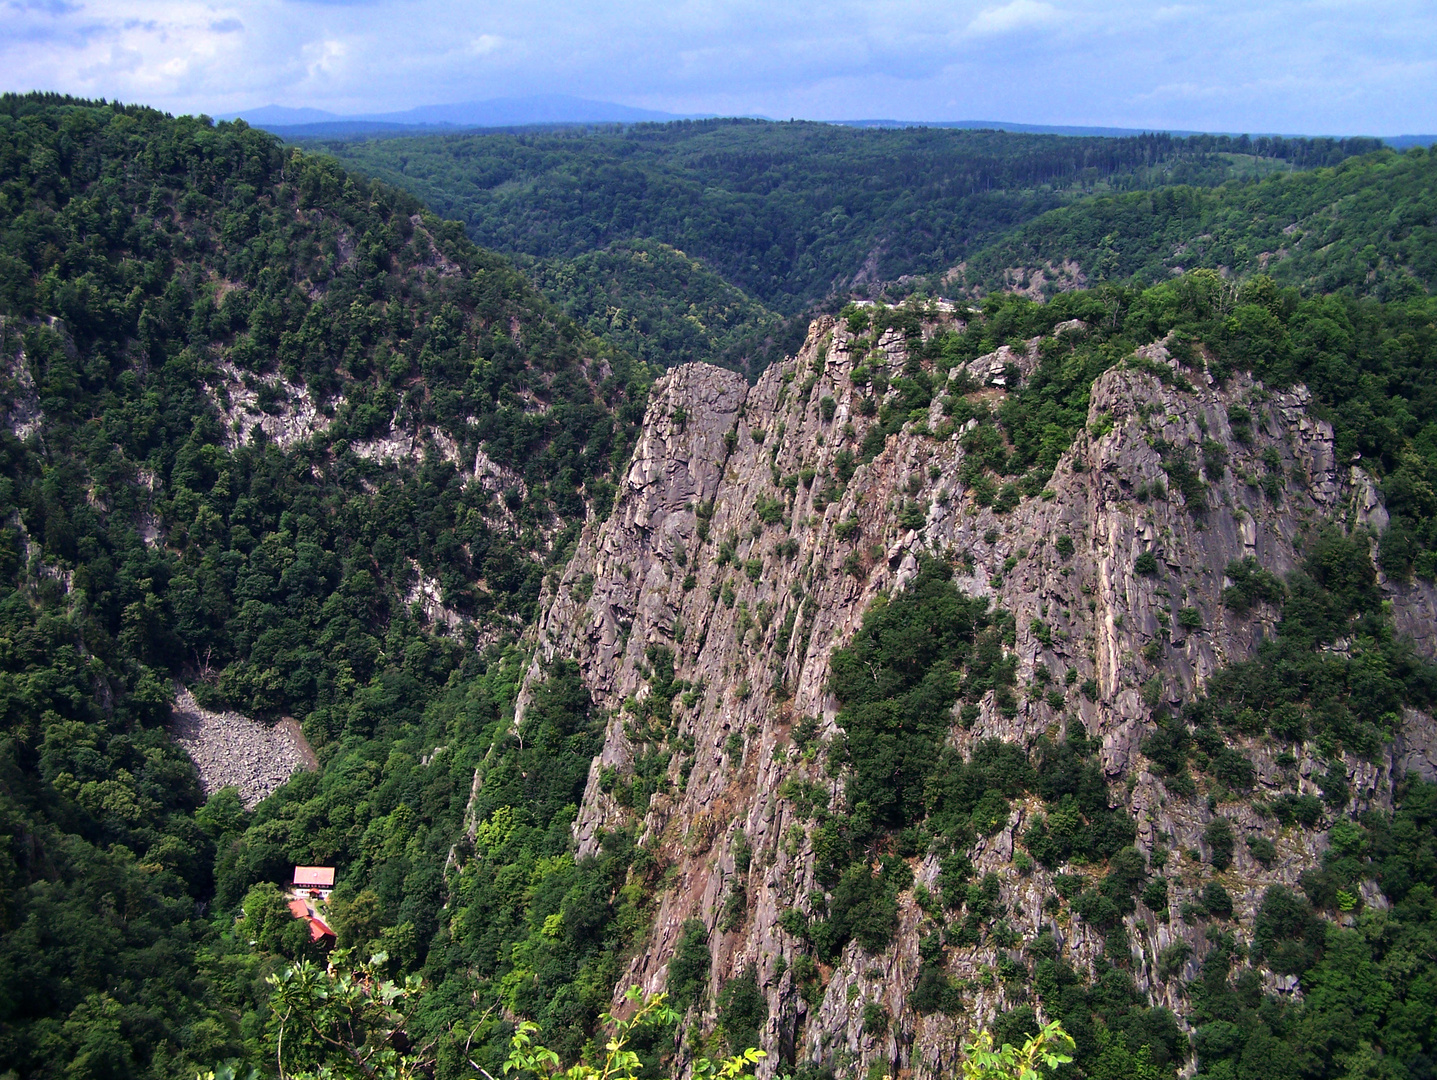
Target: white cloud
x=1115, y=62
x=1014, y=15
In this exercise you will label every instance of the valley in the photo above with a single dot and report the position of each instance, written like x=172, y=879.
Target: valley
x=860, y=659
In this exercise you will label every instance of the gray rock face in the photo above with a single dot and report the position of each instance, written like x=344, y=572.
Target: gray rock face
x=723, y=549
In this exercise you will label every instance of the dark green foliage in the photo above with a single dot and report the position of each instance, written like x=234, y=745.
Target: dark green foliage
x=875, y=1019
x=1295, y=688
x=144, y=539
x=1146, y=564
x=1363, y=226
x=863, y=907
x=1185, y=479
x=1079, y=818
x=143, y=258
x=1366, y=1000
x=973, y=794
x=1173, y=957
x=1189, y=618
x=936, y=991
x=1218, y=836
x=657, y=304
x=1155, y=894
x=785, y=211
x=742, y=1011
x=1306, y=810
x=1216, y=901
x=896, y=682
x=1251, y=585
x=1016, y=1025
x=689, y=969
x=1263, y=849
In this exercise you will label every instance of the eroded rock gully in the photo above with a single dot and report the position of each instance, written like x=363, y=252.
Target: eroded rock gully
x=757, y=637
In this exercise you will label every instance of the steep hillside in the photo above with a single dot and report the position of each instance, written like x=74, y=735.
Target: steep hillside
x=937, y=678
x=790, y=212
x=1364, y=226
x=922, y=752
x=279, y=433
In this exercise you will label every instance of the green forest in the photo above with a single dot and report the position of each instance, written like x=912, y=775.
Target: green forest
x=157, y=271
x=1363, y=227
x=786, y=213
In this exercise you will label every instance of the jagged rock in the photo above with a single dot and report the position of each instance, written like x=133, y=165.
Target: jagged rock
x=757, y=636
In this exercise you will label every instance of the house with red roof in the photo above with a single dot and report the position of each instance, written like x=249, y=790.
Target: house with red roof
x=316, y=881
x=319, y=930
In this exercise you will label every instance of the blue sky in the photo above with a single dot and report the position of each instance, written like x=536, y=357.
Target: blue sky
x=1296, y=66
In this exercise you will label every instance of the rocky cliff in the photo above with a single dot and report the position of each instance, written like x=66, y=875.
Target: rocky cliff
x=748, y=540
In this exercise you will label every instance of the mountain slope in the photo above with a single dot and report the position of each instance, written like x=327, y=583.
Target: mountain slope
x=657, y=304
x=1364, y=226
x=879, y=838
x=274, y=430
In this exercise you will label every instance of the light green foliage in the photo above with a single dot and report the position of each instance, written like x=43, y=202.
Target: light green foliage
x=620, y=1061
x=344, y=1020
x=1043, y=1052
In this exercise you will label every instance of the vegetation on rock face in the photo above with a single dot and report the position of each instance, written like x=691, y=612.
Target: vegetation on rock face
x=1370, y=365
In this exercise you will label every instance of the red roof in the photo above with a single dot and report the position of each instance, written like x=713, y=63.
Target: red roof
x=314, y=877
x=318, y=928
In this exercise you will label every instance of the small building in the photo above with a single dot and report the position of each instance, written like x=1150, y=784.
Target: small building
x=316, y=881
x=319, y=930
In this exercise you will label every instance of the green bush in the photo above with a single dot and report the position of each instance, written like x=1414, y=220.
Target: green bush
x=1218, y=836
x=1189, y=618
x=742, y=1010
x=1251, y=585
x=1216, y=900
x=689, y=968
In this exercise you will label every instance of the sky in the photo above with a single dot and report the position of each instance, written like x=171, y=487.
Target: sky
x=1315, y=67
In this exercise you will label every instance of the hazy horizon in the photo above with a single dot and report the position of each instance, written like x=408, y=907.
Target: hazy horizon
x=1330, y=67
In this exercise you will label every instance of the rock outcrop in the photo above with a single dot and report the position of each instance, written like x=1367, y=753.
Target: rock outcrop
x=733, y=545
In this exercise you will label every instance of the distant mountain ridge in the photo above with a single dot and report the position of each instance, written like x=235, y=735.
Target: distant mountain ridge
x=494, y=112
x=540, y=109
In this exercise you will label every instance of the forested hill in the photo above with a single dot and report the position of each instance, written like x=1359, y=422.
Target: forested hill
x=790, y=212
x=1365, y=226
x=244, y=395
